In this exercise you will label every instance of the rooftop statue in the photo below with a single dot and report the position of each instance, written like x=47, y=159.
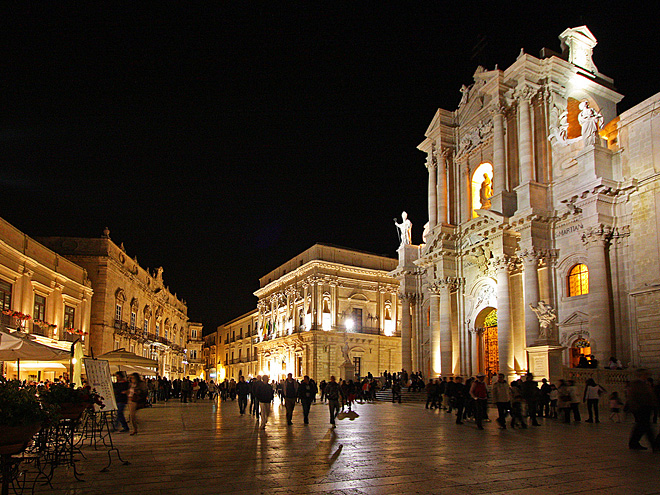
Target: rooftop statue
x=404, y=229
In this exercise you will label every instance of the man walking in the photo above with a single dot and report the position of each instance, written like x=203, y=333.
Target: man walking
x=641, y=402
x=530, y=392
x=479, y=393
x=307, y=393
x=120, y=388
x=502, y=398
x=242, y=390
x=332, y=393
x=290, y=387
x=264, y=393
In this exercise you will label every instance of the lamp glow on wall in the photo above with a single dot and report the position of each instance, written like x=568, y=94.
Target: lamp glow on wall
x=308, y=319
x=349, y=324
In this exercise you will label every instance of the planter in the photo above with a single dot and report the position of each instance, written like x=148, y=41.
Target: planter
x=14, y=439
x=70, y=410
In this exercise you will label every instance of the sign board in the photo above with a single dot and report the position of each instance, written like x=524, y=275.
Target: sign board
x=99, y=378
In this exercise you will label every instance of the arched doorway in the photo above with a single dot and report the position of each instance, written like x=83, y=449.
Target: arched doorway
x=486, y=324
x=581, y=347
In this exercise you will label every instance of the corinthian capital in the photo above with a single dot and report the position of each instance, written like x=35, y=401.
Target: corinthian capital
x=525, y=92
x=598, y=235
x=531, y=256
x=502, y=263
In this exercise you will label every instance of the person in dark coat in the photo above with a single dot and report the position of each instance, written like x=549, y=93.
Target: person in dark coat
x=306, y=393
x=242, y=390
x=641, y=401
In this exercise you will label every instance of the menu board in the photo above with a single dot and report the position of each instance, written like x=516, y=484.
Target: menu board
x=99, y=378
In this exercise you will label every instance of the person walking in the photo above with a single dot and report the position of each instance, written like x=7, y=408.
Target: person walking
x=575, y=401
x=530, y=392
x=120, y=388
x=429, y=393
x=264, y=393
x=242, y=390
x=641, y=401
x=306, y=393
x=459, y=399
x=591, y=396
x=290, y=387
x=479, y=393
x=333, y=393
x=502, y=399
x=137, y=399
x=564, y=401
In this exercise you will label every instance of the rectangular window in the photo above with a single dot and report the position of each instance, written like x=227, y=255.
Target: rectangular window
x=357, y=363
x=157, y=329
x=357, y=319
x=39, y=307
x=239, y=354
x=133, y=319
x=247, y=352
x=5, y=296
x=133, y=348
x=146, y=325
x=118, y=312
x=69, y=317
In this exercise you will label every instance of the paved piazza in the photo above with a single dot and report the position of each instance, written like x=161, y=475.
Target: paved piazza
x=203, y=448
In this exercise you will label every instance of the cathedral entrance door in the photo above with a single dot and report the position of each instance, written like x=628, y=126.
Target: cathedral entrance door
x=491, y=357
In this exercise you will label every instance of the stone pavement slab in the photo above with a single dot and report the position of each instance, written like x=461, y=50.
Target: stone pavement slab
x=208, y=448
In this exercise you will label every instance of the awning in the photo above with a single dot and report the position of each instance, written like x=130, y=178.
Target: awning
x=123, y=357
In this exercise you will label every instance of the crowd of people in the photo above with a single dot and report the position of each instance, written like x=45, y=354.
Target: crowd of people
x=518, y=404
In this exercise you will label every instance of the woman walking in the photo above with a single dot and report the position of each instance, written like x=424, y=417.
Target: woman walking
x=592, y=393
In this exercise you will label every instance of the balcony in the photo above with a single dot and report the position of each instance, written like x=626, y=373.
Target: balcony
x=43, y=331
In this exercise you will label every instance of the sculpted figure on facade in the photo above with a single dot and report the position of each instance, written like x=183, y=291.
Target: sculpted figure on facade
x=546, y=315
x=486, y=192
x=590, y=121
x=404, y=229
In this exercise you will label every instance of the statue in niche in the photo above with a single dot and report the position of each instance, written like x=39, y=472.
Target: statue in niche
x=590, y=121
x=404, y=229
x=486, y=192
x=546, y=316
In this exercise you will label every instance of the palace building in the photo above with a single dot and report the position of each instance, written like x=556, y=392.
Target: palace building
x=42, y=294
x=542, y=240
x=131, y=308
x=328, y=311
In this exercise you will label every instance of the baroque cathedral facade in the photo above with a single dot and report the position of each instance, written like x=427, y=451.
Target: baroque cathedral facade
x=542, y=241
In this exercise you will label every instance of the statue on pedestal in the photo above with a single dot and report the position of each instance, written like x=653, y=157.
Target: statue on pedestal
x=590, y=121
x=546, y=316
x=404, y=229
x=344, y=352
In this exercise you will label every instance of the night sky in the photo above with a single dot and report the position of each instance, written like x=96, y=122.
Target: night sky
x=219, y=140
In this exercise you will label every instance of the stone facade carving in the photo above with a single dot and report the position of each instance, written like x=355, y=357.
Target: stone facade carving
x=474, y=137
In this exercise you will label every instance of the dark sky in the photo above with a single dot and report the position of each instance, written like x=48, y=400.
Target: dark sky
x=219, y=140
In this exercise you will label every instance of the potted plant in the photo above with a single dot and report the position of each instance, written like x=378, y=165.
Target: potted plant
x=70, y=402
x=21, y=416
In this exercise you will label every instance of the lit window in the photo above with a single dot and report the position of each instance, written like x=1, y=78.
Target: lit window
x=39, y=307
x=69, y=317
x=133, y=319
x=578, y=280
x=118, y=312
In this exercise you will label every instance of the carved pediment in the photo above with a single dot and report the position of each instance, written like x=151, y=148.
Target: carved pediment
x=577, y=318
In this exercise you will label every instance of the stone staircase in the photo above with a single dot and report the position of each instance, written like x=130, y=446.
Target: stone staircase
x=406, y=396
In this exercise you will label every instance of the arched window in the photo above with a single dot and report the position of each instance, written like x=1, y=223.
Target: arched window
x=578, y=280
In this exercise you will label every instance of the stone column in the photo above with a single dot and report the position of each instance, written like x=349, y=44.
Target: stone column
x=406, y=332
x=442, y=195
x=525, y=145
x=432, y=166
x=446, y=347
x=475, y=334
x=530, y=259
x=596, y=241
x=499, y=162
x=434, y=337
x=504, y=328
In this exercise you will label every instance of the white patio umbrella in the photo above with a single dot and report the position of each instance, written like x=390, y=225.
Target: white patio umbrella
x=14, y=348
